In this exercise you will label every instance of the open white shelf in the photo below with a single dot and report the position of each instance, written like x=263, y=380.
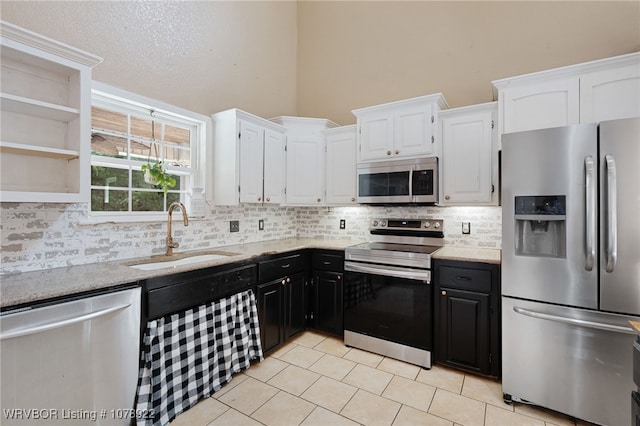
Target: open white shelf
x=38, y=151
x=37, y=108
x=45, y=110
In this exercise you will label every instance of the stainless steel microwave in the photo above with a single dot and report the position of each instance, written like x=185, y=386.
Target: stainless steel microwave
x=399, y=181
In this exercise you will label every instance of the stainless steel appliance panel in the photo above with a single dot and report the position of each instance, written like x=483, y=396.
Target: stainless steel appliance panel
x=550, y=162
x=70, y=361
x=575, y=361
x=620, y=216
x=398, y=181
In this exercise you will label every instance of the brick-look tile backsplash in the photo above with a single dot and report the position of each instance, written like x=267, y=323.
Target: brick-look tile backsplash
x=39, y=236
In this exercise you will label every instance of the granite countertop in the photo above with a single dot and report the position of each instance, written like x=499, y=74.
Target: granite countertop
x=467, y=254
x=30, y=287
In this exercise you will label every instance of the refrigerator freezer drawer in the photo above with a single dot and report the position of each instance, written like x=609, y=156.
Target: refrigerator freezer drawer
x=574, y=361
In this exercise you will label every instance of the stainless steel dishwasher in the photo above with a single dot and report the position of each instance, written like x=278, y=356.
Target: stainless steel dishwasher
x=71, y=363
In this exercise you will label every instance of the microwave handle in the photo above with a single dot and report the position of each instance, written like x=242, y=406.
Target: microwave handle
x=411, y=182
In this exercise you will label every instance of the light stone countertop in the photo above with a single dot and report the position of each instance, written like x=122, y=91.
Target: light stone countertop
x=468, y=254
x=36, y=286
x=636, y=326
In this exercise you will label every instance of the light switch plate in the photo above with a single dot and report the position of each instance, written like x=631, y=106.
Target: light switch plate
x=343, y=223
x=234, y=226
x=261, y=225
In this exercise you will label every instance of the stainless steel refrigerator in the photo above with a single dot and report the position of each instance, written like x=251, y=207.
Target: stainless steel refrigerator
x=571, y=268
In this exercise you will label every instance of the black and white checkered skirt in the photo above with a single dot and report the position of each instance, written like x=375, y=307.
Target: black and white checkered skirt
x=189, y=355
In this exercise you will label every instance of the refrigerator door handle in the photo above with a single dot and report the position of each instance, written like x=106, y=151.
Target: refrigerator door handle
x=612, y=214
x=574, y=321
x=590, y=207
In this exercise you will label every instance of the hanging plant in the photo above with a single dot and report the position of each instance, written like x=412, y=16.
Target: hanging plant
x=154, y=172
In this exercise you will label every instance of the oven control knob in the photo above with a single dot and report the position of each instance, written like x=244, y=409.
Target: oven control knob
x=436, y=225
x=375, y=223
x=427, y=224
x=383, y=223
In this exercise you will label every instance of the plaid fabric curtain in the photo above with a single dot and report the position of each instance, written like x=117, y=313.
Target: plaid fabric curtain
x=189, y=355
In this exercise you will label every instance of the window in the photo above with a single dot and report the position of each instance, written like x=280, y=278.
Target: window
x=127, y=132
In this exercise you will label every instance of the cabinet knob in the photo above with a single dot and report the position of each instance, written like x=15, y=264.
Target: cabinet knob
x=339, y=277
x=397, y=151
x=353, y=199
x=444, y=292
x=288, y=279
x=268, y=199
x=283, y=282
x=388, y=152
x=319, y=199
x=446, y=197
x=259, y=198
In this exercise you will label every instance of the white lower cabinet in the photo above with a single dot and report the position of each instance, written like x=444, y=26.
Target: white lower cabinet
x=340, y=165
x=469, y=163
x=305, y=158
x=247, y=159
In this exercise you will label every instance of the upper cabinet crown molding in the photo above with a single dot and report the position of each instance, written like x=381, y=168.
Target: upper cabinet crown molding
x=437, y=98
x=301, y=122
x=23, y=36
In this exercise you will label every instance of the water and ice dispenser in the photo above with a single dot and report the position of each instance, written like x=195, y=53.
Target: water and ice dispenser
x=540, y=226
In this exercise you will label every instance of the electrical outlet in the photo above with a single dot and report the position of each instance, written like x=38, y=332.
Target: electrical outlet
x=466, y=227
x=343, y=224
x=261, y=225
x=234, y=226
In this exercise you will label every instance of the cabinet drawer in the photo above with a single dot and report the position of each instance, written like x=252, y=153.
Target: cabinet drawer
x=327, y=262
x=465, y=278
x=277, y=268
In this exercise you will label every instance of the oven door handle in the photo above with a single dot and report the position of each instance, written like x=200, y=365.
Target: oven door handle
x=391, y=271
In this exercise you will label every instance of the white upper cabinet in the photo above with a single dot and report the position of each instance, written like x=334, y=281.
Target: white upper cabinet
x=606, y=89
x=610, y=94
x=402, y=129
x=340, y=148
x=274, y=167
x=305, y=159
x=246, y=157
x=45, y=99
x=545, y=104
x=469, y=165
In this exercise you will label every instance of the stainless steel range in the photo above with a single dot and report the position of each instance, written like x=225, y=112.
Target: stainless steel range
x=387, y=289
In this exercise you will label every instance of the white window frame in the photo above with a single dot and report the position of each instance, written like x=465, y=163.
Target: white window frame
x=119, y=100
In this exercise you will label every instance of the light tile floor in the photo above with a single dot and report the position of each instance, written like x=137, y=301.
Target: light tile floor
x=316, y=380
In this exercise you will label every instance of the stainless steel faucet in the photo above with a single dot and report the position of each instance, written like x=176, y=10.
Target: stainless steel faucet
x=170, y=243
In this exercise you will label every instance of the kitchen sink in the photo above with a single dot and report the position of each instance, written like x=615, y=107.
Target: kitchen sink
x=181, y=259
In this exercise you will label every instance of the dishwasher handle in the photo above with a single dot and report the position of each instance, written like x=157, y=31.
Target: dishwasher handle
x=63, y=323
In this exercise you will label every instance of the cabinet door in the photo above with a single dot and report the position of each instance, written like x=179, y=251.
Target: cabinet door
x=274, y=167
x=270, y=314
x=538, y=106
x=341, y=168
x=251, y=162
x=610, y=94
x=467, y=160
x=412, y=132
x=375, y=136
x=295, y=308
x=463, y=329
x=327, y=296
x=305, y=170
